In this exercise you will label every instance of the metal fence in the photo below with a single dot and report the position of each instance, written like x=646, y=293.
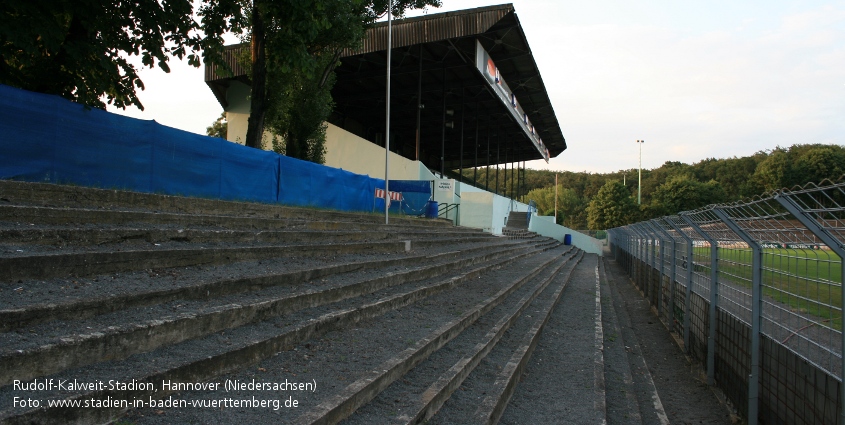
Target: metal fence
x=756, y=290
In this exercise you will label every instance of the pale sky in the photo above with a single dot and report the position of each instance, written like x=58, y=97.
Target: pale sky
x=695, y=80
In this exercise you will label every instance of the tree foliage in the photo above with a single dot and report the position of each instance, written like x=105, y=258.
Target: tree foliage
x=295, y=46
x=674, y=186
x=682, y=192
x=81, y=49
x=219, y=128
x=613, y=206
x=800, y=164
x=571, y=208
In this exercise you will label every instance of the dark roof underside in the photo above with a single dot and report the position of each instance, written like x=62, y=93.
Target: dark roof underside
x=443, y=46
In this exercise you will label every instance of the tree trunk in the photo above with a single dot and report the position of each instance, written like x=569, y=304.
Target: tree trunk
x=257, y=106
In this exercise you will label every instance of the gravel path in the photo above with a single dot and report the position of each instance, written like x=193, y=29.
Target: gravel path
x=654, y=356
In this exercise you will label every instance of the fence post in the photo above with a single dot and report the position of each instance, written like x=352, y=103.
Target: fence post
x=649, y=258
x=629, y=254
x=834, y=244
x=643, y=260
x=672, y=268
x=659, y=270
x=714, y=297
x=688, y=291
x=654, y=263
x=756, y=312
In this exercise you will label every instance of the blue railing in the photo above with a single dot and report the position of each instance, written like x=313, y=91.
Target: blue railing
x=532, y=207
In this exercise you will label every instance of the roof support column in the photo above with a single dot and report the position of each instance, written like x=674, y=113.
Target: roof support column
x=487, y=173
x=419, y=104
x=443, y=129
x=498, y=157
x=475, y=167
x=461, y=160
x=513, y=195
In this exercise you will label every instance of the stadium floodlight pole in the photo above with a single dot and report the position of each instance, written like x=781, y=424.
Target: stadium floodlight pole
x=387, y=120
x=640, y=178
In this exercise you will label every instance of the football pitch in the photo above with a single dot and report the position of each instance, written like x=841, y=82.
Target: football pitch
x=809, y=281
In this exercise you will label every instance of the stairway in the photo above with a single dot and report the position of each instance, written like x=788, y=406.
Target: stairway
x=517, y=226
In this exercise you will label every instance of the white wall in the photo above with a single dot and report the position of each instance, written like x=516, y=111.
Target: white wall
x=477, y=210
x=545, y=226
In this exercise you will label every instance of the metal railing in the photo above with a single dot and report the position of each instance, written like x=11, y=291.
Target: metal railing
x=532, y=208
x=756, y=290
x=443, y=211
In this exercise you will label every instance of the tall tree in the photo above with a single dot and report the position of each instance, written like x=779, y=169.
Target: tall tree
x=80, y=49
x=292, y=38
x=612, y=207
x=683, y=193
x=571, y=208
x=799, y=165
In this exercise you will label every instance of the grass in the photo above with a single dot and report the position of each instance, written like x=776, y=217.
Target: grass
x=808, y=281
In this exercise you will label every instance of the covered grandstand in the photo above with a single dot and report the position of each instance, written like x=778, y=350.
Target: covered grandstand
x=466, y=91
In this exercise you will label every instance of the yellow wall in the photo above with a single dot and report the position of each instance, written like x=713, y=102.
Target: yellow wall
x=236, y=131
x=344, y=150
x=352, y=153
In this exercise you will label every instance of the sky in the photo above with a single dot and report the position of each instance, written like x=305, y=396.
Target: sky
x=694, y=80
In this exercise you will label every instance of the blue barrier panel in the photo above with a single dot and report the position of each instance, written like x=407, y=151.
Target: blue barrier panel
x=48, y=139
x=416, y=194
x=45, y=138
x=182, y=166
x=261, y=167
x=308, y=184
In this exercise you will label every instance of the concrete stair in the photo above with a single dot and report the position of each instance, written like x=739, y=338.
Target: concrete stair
x=195, y=301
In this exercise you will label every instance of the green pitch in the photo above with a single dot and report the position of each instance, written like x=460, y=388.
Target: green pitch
x=808, y=281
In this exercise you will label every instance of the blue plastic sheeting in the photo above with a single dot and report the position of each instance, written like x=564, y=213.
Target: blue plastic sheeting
x=46, y=138
x=306, y=184
x=416, y=195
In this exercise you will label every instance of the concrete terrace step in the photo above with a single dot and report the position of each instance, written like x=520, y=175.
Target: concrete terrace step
x=512, y=233
x=374, y=363
x=21, y=263
x=206, y=357
x=393, y=322
x=74, y=197
x=41, y=301
x=14, y=239
x=18, y=217
x=569, y=350
x=423, y=391
x=517, y=220
x=130, y=331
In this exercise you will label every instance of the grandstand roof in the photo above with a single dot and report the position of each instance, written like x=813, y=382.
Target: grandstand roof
x=465, y=66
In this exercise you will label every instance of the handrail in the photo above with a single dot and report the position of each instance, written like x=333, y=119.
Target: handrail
x=532, y=207
x=443, y=209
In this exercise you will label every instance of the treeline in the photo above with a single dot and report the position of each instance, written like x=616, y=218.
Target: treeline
x=606, y=200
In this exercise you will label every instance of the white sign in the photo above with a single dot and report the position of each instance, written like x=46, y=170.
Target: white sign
x=444, y=191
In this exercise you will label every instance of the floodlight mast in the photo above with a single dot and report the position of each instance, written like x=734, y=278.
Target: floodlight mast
x=640, y=175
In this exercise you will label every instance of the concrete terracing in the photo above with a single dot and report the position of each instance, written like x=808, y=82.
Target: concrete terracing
x=182, y=300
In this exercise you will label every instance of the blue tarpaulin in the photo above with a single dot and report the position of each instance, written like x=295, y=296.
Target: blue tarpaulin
x=416, y=194
x=45, y=138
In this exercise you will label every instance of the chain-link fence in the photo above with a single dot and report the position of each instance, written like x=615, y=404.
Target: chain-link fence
x=755, y=288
